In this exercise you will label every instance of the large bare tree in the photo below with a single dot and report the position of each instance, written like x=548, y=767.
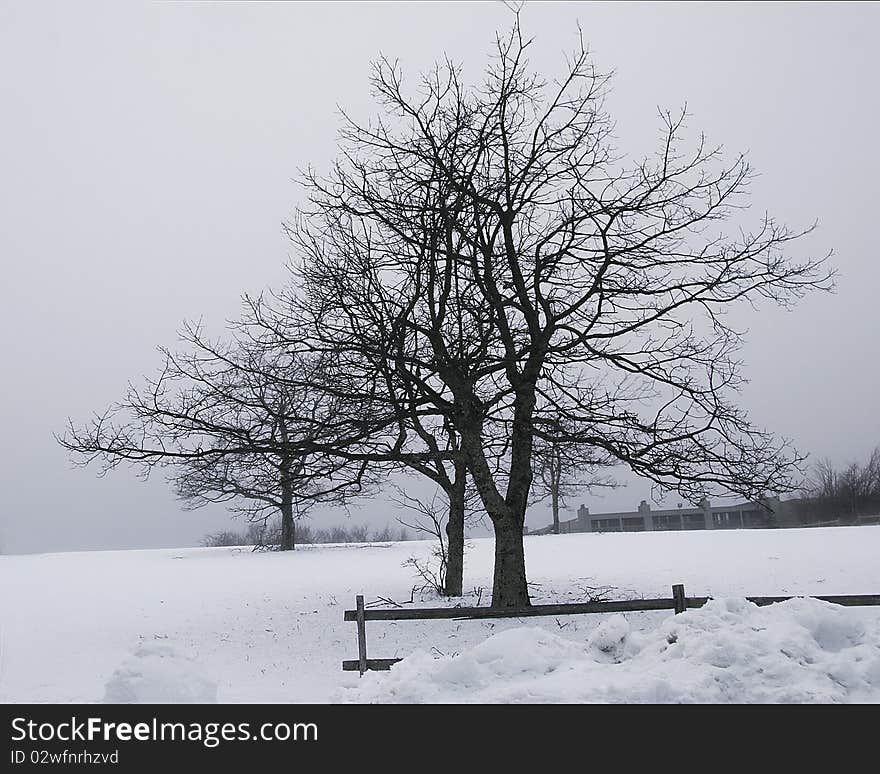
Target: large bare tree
x=489, y=255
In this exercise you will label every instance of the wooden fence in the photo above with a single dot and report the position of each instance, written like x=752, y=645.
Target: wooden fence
x=677, y=602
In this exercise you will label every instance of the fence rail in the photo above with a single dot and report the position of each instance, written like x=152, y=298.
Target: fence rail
x=677, y=602
x=420, y=613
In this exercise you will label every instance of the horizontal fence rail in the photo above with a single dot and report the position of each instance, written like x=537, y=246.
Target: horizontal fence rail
x=678, y=602
x=421, y=613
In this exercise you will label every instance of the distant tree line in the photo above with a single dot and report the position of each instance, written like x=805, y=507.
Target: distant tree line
x=260, y=535
x=846, y=494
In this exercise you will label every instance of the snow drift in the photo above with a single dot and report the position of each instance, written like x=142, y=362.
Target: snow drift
x=156, y=674
x=801, y=650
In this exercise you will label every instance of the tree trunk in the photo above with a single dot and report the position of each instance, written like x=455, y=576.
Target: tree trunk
x=555, y=485
x=509, y=587
x=508, y=514
x=288, y=534
x=455, y=534
x=288, y=537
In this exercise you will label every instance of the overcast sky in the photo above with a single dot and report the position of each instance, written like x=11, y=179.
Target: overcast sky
x=146, y=156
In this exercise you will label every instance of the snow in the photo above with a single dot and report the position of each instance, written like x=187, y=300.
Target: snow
x=157, y=674
x=228, y=624
x=801, y=650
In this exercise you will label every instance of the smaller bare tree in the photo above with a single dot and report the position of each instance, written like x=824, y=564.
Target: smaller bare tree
x=562, y=468
x=232, y=422
x=431, y=518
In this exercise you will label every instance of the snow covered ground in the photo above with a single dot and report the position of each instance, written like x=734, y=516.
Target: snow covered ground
x=235, y=626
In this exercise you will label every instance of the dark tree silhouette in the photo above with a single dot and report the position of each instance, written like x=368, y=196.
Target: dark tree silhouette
x=231, y=422
x=481, y=257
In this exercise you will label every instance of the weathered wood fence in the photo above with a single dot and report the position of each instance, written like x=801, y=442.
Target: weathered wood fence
x=677, y=602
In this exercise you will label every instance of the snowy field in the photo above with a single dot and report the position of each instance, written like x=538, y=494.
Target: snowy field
x=230, y=625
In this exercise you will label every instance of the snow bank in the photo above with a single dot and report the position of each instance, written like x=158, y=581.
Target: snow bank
x=157, y=674
x=801, y=650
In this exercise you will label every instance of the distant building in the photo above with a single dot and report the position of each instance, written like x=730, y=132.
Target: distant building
x=771, y=512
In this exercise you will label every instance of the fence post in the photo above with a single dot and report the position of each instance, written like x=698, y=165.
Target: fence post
x=679, y=598
x=362, y=635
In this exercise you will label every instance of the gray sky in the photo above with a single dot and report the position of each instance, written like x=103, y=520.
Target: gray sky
x=146, y=156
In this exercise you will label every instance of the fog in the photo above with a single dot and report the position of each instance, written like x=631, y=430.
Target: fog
x=146, y=165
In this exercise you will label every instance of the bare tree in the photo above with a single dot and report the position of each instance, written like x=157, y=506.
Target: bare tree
x=429, y=518
x=231, y=422
x=488, y=253
x=561, y=470
x=433, y=518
